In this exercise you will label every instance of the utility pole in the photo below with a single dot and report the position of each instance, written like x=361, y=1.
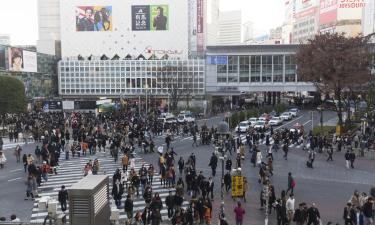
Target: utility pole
x=312, y=120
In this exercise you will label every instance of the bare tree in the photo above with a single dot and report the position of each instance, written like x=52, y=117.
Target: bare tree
x=335, y=64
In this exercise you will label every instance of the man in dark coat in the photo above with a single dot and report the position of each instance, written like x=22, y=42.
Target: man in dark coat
x=313, y=215
x=213, y=163
x=117, y=191
x=63, y=198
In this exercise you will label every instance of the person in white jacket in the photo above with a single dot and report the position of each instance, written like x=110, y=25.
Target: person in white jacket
x=3, y=159
x=259, y=158
x=290, y=207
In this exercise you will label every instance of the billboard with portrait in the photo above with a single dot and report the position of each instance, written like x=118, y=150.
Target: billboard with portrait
x=150, y=17
x=159, y=17
x=132, y=28
x=94, y=18
x=15, y=59
x=21, y=60
x=2, y=57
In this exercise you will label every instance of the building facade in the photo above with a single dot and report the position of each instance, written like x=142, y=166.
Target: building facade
x=368, y=18
x=230, y=28
x=306, y=21
x=234, y=70
x=131, y=78
x=49, y=27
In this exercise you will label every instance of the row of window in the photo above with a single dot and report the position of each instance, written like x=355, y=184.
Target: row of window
x=266, y=68
x=137, y=68
x=122, y=91
x=132, y=63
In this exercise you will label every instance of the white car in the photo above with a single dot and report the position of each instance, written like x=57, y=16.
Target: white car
x=252, y=120
x=182, y=118
x=243, y=126
x=275, y=121
x=286, y=116
x=261, y=125
x=294, y=112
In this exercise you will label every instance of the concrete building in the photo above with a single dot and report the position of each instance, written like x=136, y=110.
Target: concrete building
x=306, y=21
x=248, y=32
x=131, y=78
x=230, y=28
x=212, y=21
x=234, y=70
x=341, y=16
x=49, y=27
x=4, y=39
x=368, y=18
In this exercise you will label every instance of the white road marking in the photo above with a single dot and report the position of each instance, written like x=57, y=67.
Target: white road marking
x=15, y=170
x=18, y=178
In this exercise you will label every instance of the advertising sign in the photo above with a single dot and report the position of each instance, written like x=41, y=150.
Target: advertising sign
x=150, y=17
x=15, y=59
x=193, y=25
x=52, y=105
x=328, y=11
x=140, y=17
x=237, y=186
x=30, y=61
x=350, y=10
x=200, y=24
x=94, y=18
x=2, y=57
x=217, y=60
x=159, y=17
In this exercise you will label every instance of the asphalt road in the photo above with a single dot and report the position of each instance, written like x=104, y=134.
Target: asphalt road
x=329, y=185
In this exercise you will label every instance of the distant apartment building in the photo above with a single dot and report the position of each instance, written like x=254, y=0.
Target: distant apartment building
x=230, y=28
x=49, y=27
x=248, y=32
x=4, y=39
x=368, y=18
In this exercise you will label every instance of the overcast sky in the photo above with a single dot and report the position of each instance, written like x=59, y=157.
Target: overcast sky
x=19, y=17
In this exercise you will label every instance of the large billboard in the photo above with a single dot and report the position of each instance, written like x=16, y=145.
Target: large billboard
x=124, y=28
x=2, y=57
x=150, y=17
x=200, y=26
x=21, y=60
x=328, y=12
x=94, y=18
x=15, y=59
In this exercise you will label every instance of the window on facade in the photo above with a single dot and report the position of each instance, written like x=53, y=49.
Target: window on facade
x=255, y=68
x=267, y=68
x=278, y=68
x=221, y=73
x=244, y=68
x=232, y=69
x=290, y=69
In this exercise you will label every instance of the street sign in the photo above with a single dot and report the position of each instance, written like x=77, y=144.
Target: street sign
x=237, y=186
x=338, y=130
x=227, y=114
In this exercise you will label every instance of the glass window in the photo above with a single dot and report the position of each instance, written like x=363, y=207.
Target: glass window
x=221, y=73
x=267, y=68
x=232, y=68
x=290, y=69
x=244, y=69
x=278, y=68
x=255, y=68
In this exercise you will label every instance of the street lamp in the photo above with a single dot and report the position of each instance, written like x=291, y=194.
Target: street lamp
x=321, y=116
x=222, y=131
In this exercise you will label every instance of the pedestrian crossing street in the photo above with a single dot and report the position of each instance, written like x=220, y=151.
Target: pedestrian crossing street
x=178, y=138
x=71, y=171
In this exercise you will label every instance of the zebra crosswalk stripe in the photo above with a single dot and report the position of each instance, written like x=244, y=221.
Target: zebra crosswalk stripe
x=71, y=171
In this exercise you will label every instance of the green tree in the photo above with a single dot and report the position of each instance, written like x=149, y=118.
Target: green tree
x=335, y=64
x=12, y=95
